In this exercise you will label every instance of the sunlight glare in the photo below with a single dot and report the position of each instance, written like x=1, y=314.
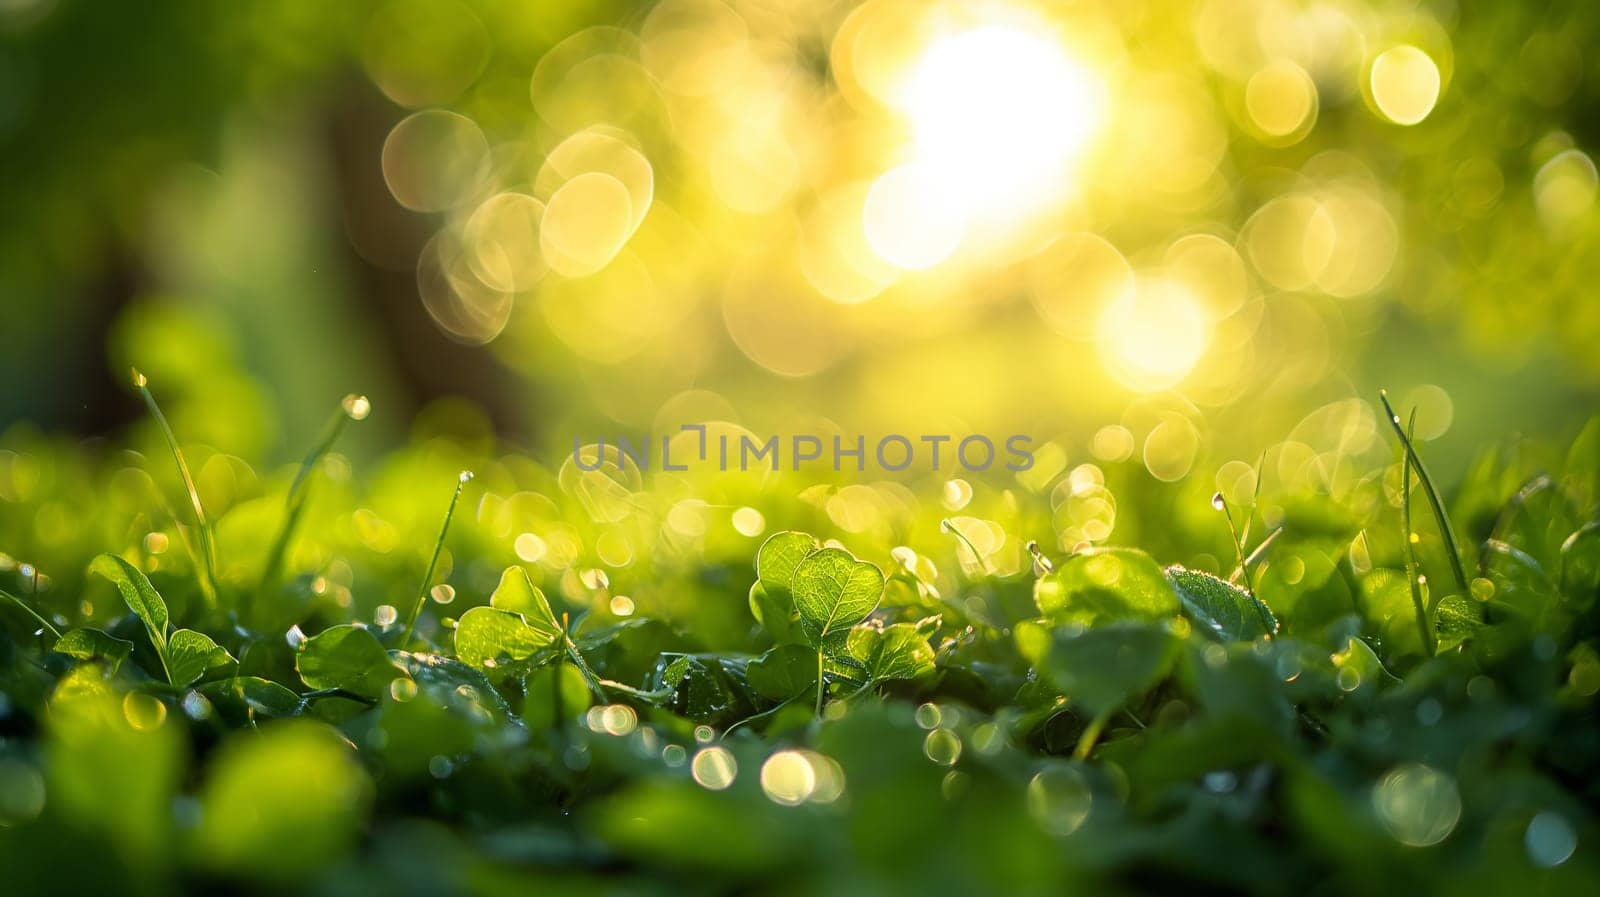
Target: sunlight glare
x=998, y=115
x=1001, y=111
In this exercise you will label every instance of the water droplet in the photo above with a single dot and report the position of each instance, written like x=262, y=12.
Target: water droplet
x=1418, y=804
x=440, y=767
x=402, y=690
x=674, y=755
x=140, y=381
x=1481, y=588
x=942, y=746
x=1550, y=839
x=1059, y=799
x=196, y=706
x=955, y=784
x=1288, y=667
x=1041, y=564
x=443, y=593
x=142, y=711
x=988, y=738
x=829, y=775
x=529, y=547
x=618, y=719
x=957, y=494
x=622, y=606
x=295, y=637
x=928, y=716
x=357, y=407
x=749, y=522
x=714, y=768
x=385, y=615
x=704, y=734
x=465, y=478
x=1349, y=678
x=1218, y=502
x=1480, y=688
x=788, y=778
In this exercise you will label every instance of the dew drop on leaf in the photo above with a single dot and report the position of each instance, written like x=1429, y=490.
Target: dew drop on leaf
x=357, y=407
x=714, y=768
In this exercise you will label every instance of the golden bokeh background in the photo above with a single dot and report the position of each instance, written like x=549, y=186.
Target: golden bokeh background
x=1180, y=230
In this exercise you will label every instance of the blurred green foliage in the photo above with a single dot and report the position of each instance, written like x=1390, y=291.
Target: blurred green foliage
x=1221, y=635
x=993, y=716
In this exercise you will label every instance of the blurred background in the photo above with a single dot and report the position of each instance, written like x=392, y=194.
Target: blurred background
x=1137, y=229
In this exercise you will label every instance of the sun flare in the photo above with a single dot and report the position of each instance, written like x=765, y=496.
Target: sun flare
x=998, y=116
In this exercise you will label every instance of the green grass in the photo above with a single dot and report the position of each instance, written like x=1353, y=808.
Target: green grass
x=638, y=705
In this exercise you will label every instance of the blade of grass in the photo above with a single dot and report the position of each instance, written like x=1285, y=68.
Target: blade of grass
x=1255, y=502
x=1446, y=531
x=1423, y=629
x=949, y=526
x=1091, y=734
x=1261, y=549
x=1220, y=502
x=353, y=407
x=206, y=569
x=31, y=612
x=427, y=577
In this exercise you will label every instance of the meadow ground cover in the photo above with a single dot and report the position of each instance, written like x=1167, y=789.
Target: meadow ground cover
x=341, y=680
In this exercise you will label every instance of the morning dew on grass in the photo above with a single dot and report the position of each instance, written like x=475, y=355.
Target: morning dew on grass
x=462, y=480
x=356, y=407
x=205, y=549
